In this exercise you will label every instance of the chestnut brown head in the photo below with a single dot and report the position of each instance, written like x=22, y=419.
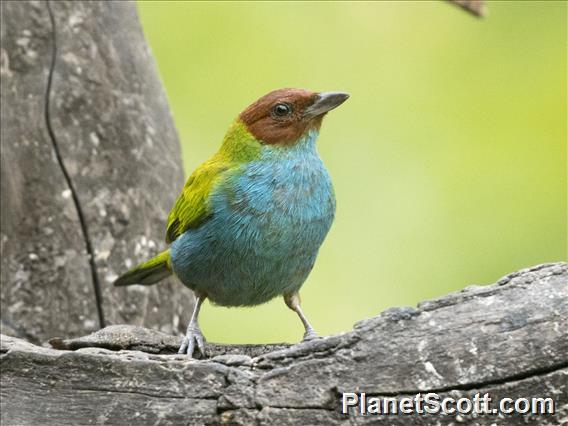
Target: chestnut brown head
x=285, y=115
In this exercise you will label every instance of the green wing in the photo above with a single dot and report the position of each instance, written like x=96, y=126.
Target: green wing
x=192, y=208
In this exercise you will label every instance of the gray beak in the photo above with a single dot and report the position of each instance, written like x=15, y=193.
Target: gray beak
x=325, y=102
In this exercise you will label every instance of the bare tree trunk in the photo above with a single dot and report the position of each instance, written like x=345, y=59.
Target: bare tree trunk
x=90, y=168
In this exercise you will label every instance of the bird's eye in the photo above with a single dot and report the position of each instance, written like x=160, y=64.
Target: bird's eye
x=282, y=110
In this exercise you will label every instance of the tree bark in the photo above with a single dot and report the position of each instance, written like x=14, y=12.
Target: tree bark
x=509, y=339
x=90, y=168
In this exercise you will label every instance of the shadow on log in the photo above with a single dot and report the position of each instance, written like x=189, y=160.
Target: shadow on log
x=509, y=339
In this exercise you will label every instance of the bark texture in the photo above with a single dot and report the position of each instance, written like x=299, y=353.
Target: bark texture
x=508, y=339
x=90, y=168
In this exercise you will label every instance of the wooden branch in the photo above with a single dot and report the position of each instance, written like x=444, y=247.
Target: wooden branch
x=475, y=7
x=509, y=339
x=91, y=165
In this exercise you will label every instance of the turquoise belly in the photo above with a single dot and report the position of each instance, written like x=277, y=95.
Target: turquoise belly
x=268, y=222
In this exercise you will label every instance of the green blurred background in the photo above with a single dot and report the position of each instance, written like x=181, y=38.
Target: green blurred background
x=449, y=159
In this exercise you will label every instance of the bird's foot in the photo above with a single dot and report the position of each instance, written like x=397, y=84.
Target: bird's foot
x=310, y=334
x=192, y=338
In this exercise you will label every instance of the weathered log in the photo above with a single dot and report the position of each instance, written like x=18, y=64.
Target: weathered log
x=509, y=339
x=91, y=166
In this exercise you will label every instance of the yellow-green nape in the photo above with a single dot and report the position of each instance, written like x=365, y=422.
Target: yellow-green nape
x=239, y=145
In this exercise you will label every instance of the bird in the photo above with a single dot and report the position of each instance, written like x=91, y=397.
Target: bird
x=249, y=222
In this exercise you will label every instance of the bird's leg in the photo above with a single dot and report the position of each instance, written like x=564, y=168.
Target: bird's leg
x=293, y=302
x=193, y=334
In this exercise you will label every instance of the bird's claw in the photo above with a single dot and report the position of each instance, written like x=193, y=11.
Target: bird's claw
x=310, y=334
x=192, y=338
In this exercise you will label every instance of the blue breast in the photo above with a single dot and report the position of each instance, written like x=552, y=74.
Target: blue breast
x=268, y=221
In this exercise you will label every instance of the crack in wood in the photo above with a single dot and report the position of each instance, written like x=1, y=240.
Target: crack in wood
x=67, y=176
